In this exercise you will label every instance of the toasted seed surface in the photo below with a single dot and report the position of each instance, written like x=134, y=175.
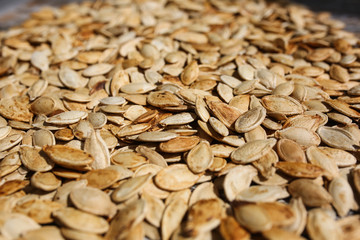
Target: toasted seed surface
x=179, y=144
x=175, y=177
x=67, y=156
x=92, y=200
x=179, y=120
x=81, y=221
x=252, y=151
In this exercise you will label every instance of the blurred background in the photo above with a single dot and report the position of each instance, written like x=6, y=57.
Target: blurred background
x=13, y=12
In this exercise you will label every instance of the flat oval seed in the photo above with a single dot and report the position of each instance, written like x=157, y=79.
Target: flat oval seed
x=178, y=119
x=252, y=151
x=282, y=104
x=16, y=108
x=246, y=72
x=155, y=209
x=46, y=232
x=9, y=164
x=312, y=194
x=92, y=200
x=200, y=157
x=68, y=157
x=153, y=156
x=237, y=180
x=40, y=60
x=172, y=217
x=225, y=92
x=15, y=225
x=224, y=112
x=190, y=73
x=45, y=181
x=337, y=138
x=203, y=191
x=79, y=235
x=300, y=169
x=10, y=142
x=304, y=137
x=203, y=216
x=229, y=80
x=32, y=159
x=64, y=134
x=246, y=87
x=231, y=229
x=262, y=194
x=4, y=131
x=156, y=136
x=320, y=225
x=127, y=217
x=113, y=101
x=253, y=217
x=341, y=157
x=343, y=196
x=179, y=144
x=133, y=129
x=128, y=159
x=317, y=156
x=43, y=137
x=290, y=151
x=71, y=78
x=218, y=126
x=43, y=105
x=104, y=178
x=343, y=108
x=137, y=88
x=163, y=99
x=37, y=89
x=97, y=120
x=175, y=177
x=69, y=117
x=77, y=97
x=97, y=69
x=200, y=109
x=250, y=120
x=81, y=221
x=130, y=188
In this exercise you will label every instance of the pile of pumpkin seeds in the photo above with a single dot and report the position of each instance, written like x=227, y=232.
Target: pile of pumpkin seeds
x=179, y=119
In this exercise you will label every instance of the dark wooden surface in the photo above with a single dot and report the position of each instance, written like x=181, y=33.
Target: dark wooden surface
x=13, y=12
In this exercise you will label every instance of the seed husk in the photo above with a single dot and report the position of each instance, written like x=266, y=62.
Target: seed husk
x=300, y=169
x=187, y=120
x=252, y=151
x=200, y=157
x=250, y=120
x=179, y=144
x=67, y=156
x=338, y=138
x=81, y=221
x=343, y=196
x=282, y=104
x=237, y=180
x=203, y=216
x=92, y=200
x=321, y=226
x=156, y=136
x=175, y=177
x=45, y=181
x=310, y=192
x=290, y=151
x=129, y=188
x=104, y=178
x=33, y=160
x=172, y=217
